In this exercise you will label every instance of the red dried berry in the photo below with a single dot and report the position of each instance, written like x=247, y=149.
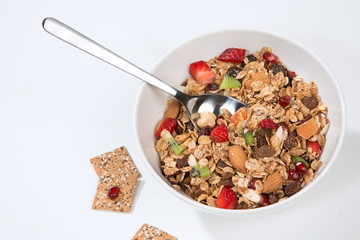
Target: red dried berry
x=220, y=134
x=168, y=124
x=268, y=123
x=291, y=74
x=227, y=198
x=284, y=101
x=294, y=175
x=315, y=146
x=270, y=57
x=114, y=192
x=301, y=167
x=252, y=183
x=265, y=201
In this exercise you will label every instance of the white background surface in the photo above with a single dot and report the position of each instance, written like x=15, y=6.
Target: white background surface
x=59, y=107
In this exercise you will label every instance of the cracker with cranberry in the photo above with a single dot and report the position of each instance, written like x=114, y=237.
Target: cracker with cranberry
x=121, y=202
x=147, y=232
x=118, y=159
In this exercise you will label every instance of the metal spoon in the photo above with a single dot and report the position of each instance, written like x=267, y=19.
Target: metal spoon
x=194, y=104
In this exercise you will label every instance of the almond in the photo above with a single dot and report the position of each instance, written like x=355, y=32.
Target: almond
x=253, y=196
x=238, y=158
x=272, y=183
x=259, y=76
x=307, y=129
x=173, y=109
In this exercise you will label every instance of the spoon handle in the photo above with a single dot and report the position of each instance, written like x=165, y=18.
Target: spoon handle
x=73, y=37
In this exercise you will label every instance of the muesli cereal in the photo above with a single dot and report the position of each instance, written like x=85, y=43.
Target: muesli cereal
x=256, y=157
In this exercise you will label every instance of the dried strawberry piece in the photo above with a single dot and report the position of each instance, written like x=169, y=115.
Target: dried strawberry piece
x=227, y=198
x=168, y=124
x=268, y=123
x=234, y=55
x=284, y=101
x=315, y=146
x=220, y=134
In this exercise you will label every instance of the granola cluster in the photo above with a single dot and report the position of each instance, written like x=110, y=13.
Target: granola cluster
x=262, y=170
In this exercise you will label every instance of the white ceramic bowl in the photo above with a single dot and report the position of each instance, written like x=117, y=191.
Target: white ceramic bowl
x=173, y=68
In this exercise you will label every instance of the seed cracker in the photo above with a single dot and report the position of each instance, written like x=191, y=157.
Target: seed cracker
x=147, y=232
x=118, y=159
x=124, y=201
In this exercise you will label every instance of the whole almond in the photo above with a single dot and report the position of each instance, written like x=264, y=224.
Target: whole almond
x=173, y=109
x=307, y=129
x=238, y=158
x=259, y=76
x=272, y=183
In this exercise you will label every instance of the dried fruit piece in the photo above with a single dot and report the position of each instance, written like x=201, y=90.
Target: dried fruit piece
x=113, y=192
x=300, y=159
x=284, y=101
x=272, y=183
x=238, y=158
x=202, y=172
x=291, y=141
x=202, y=72
x=291, y=74
x=233, y=71
x=212, y=87
x=174, y=145
x=168, y=124
x=294, y=175
x=229, y=82
x=259, y=76
x=265, y=200
x=310, y=102
x=249, y=138
x=172, y=110
x=239, y=116
x=307, y=129
x=313, y=147
x=273, y=198
x=252, y=182
x=292, y=188
x=261, y=141
x=220, y=134
x=270, y=57
x=264, y=151
x=268, y=123
x=234, y=55
x=227, y=198
x=301, y=167
x=278, y=67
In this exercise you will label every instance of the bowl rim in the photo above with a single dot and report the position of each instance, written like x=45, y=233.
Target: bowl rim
x=243, y=212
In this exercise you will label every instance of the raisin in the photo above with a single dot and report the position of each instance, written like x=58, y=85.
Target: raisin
x=233, y=71
x=251, y=58
x=212, y=87
x=189, y=126
x=183, y=162
x=221, y=164
x=278, y=67
x=205, y=131
x=264, y=151
x=310, y=102
x=291, y=141
x=261, y=141
x=178, y=129
x=226, y=182
x=273, y=198
x=227, y=175
x=182, y=186
x=264, y=132
x=242, y=205
x=292, y=188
